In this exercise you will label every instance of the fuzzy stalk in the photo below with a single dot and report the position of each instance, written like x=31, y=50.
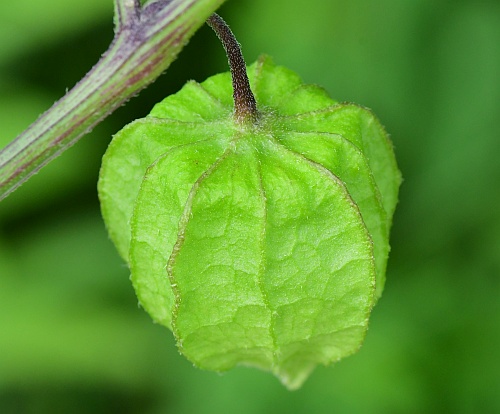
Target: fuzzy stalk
x=245, y=107
x=147, y=39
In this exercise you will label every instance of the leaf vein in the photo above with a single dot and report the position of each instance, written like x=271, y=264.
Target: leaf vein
x=183, y=222
x=262, y=270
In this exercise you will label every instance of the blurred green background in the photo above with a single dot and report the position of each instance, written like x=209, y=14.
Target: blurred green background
x=72, y=338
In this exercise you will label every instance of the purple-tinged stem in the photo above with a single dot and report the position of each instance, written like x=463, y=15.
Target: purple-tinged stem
x=147, y=39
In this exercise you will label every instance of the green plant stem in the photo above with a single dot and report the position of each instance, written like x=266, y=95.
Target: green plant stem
x=147, y=39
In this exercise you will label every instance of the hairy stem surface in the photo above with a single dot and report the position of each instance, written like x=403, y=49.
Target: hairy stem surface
x=245, y=107
x=147, y=39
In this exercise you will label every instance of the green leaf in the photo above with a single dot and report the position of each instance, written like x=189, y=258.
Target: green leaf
x=130, y=153
x=166, y=189
x=259, y=244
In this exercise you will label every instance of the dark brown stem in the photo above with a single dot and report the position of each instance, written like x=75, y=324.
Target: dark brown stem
x=245, y=107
